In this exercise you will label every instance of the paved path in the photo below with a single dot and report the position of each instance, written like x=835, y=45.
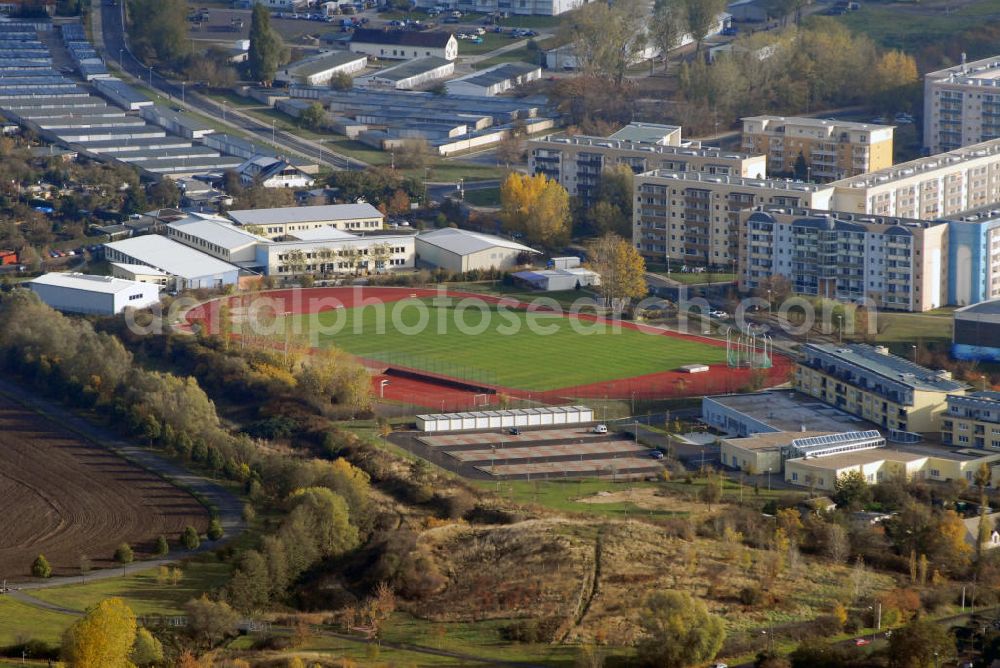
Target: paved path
x=223, y=503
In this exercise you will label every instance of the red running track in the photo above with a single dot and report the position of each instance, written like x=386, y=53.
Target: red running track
x=429, y=394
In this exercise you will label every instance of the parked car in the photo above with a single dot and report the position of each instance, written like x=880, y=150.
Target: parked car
x=514, y=431
x=476, y=40
x=450, y=19
x=861, y=642
x=600, y=429
x=656, y=454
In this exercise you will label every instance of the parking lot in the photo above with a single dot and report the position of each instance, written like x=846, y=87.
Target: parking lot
x=568, y=452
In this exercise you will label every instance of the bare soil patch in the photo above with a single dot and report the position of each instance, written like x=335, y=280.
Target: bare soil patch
x=64, y=497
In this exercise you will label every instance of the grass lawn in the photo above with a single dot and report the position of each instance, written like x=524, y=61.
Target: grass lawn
x=913, y=328
x=532, y=351
x=910, y=28
x=698, y=279
x=21, y=621
x=486, y=197
x=491, y=42
x=141, y=590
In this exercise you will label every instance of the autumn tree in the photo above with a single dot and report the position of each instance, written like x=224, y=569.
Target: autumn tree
x=621, y=268
x=215, y=530
x=607, y=38
x=921, y=644
x=313, y=117
x=678, y=631
x=158, y=30
x=399, y=203
x=668, y=27
x=511, y=148
x=103, y=638
x=210, y=621
x=412, y=153
x=536, y=207
x=701, y=17
x=330, y=377
x=146, y=650
x=889, y=80
x=267, y=51
x=852, y=491
x=124, y=555
x=612, y=207
x=323, y=515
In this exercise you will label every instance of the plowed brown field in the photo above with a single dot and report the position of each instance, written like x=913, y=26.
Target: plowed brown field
x=64, y=497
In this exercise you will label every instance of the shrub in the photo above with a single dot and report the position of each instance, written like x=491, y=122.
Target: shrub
x=40, y=568
x=215, y=531
x=190, y=538
x=751, y=596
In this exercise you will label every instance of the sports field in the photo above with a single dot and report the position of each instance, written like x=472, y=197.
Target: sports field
x=510, y=348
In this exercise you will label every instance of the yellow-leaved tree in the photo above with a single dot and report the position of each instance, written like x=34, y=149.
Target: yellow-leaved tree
x=622, y=270
x=536, y=207
x=103, y=638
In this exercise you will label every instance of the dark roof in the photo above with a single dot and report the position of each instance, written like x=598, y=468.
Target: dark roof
x=427, y=38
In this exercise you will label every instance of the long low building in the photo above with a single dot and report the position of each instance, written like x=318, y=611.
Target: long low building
x=321, y=69
x=410, y=74
x=494, y=80
x=93, y=295
x=187, y=267
x=461, y=250
x=518, y=417
x=274, y=223
x=976, y=332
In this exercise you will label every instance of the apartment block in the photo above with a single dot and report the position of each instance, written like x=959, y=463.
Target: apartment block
x=937, y=186
x=974, y=256
x=830, y=149
x=972, y=420
x=962, y=105
x=577, y=161
x=895, y=263
x=695, y=217
x=870, y=383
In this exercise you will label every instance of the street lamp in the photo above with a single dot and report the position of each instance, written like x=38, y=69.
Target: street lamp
x=272, y=132
x=840, y=328
x=183, y=98
x=914, y=348
x=150, y=76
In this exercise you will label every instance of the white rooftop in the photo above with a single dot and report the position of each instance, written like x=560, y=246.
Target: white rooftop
x=140, y=269
x=464, y=242
x=86, y=282
x=305, y=214
x=170, y=256
x=218, y=233
x=325, y=233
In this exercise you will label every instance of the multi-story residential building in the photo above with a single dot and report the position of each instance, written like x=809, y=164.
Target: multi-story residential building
x=694, y=216
x=829, y=149
x=974, y=256
x=894, y=263
x=937, y=186
x=962, y=105
x=577, y=161
x=972, y=420
x=887, y=390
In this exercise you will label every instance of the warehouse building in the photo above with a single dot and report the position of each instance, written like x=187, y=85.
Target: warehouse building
x=461, y=250
x=274, y=223
x=894, y=263
x=122, y=94
x=320, y=70
x=404, y=44
x=977, y=332
x=869, y=382
x=217, y=237
x=551, y=280
x=518, y=417
x=139, y=272
x=186, y=267
x=410, y=74
x=93, y=295
x=494, y=80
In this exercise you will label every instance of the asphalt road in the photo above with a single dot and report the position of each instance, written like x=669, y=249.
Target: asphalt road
x=116, y=49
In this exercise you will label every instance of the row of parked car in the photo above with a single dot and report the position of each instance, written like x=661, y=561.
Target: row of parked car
x=76, y=251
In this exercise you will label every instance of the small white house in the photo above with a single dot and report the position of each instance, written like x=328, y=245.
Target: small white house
x=494, y=80
x=550, y=280
x=404, y=44
x=272, y=172
x=95, y=295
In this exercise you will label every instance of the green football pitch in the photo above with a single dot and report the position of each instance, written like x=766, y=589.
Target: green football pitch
x=509, y=348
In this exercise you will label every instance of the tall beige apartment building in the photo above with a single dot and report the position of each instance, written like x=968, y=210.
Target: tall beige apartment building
x=893, y=263
x=577, y=162
x=926, y=188
x=962, y=105
x=694, y=217
x=831, y=149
